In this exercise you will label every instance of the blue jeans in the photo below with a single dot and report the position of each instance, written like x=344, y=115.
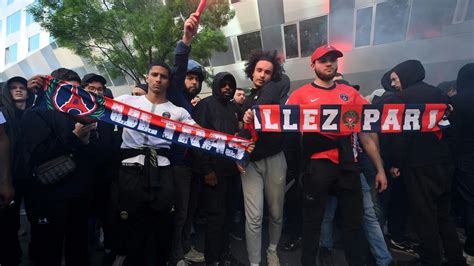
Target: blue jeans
x=371, y=226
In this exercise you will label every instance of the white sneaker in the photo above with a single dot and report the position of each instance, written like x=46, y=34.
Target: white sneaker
x=194, y=256
x=272, y=258
x=469, y=259
x=181, y=263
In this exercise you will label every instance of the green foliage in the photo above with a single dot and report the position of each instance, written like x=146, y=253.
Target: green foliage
x=125, y=36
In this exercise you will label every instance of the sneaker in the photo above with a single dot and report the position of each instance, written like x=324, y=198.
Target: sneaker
x=182, y=263
x=272, y=258
x=406, y=247
x=229, y=260
x=469, y=259
x=194, y=256
x=237, y=233
x=325, y=257
x=293, y=243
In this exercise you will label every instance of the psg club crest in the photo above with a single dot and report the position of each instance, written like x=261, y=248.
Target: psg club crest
x=344, y=97
x=350, y=119
x=69, y=99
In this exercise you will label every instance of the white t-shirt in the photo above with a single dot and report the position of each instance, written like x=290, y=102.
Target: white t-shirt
x=135, y=140
x=2, y=118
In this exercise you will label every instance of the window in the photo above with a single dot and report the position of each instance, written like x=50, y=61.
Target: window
x=10, y=54
x=428, y=17
x=33, y=43
x=470, y=11
x=391, y=21
x=29, y=17
x=248, y=43
x=13, y=22
x=291, y=41
x=10, y=1
x=363, y=26
x=313, y=33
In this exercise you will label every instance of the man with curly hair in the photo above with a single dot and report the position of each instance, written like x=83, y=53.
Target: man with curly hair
x=265, y=176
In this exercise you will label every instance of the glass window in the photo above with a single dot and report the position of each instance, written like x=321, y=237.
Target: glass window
x=29, y=17
x=470, y=11
x=13, y=22
x=391, y=21
x=313, y=33
x=291, y=41
x=10, y=54
x=33, y=43
x=428, y=17
x=248, y=43
x=10, y=1
x=363, y=26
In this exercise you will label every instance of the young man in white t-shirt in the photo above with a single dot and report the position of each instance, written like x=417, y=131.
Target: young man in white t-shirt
x=145, y=183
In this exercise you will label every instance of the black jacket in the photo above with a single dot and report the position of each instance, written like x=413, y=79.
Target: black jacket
x=462, y=119
x=268, y=143
x=218, y=113
x=416, y=148
x=48, y=135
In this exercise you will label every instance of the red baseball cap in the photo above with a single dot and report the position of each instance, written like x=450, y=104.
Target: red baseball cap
x=324, y=50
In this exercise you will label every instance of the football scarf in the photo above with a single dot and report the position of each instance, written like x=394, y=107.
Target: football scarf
x=344, y=119
x=60, y=96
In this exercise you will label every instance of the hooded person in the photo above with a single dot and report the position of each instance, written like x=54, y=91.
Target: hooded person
x=462, y=120
x=195, y=70
x=424, y=160
x=15, y=99
x=218, y=113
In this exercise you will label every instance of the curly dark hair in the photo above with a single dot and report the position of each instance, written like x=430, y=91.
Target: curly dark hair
x=271, y=57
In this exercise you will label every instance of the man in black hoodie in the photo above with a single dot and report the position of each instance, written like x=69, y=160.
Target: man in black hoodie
x=463, y=124
x=15, y=100
x=425, y=161
x=58, y=212
x=218, y=113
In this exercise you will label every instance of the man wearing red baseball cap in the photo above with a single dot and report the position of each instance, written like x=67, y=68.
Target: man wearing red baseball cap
x=331, y=163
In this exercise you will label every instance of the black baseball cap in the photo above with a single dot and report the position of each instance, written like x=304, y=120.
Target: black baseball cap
x=88, y=78
x=18, y=79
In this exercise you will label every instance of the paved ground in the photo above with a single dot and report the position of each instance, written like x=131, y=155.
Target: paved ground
x=238, y=249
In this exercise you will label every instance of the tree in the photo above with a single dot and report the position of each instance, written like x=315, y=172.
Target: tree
x=125, y=36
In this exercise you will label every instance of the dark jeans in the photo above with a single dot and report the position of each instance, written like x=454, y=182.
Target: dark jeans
x=186, y=186
x=10, y=250
x=464, y=187
x=429, y=194
x=397, y=209
x=292, y=212
x=56, y=224
x=321, y=178
x=218, y=207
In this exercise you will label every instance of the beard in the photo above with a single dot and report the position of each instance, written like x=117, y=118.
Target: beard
x=324, y=76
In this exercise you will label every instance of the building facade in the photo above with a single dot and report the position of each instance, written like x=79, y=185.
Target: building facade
x=374, y=35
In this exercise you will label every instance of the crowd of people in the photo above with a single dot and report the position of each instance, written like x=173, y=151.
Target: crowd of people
x=79, y=179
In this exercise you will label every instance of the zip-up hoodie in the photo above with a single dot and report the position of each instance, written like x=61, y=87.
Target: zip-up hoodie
x=218, y=113
x=416, y=148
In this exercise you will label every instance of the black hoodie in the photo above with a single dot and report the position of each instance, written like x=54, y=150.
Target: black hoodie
x=268, y=143
x=218, y=113
x=416, y=148
x=462, y=118
x=13, y=116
